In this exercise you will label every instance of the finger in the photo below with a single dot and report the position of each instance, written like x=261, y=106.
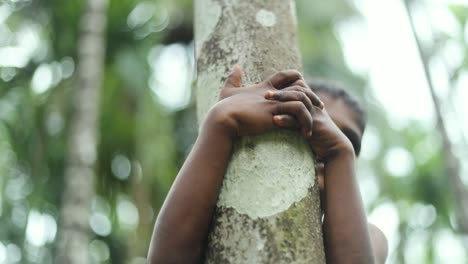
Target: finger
x=299, y=111
x=285, y=96
x=286, y=121
x=314, y=98
x=282, y=79
x=300, y=83
x=235, y=78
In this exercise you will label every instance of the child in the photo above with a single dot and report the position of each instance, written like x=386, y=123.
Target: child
x=333, y=125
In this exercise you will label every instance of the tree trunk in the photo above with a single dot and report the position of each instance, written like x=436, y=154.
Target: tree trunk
x=268, y=209
x=82, y=143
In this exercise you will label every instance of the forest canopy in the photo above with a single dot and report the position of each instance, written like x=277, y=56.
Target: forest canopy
x=146, y=121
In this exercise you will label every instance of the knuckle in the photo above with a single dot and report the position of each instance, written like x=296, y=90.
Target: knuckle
x=300, y=83
x=301, y=89
x=299, y=107
x=296, y=88
x=300, y=96
x=295, y=72
x=302, y=92
x=282, y=74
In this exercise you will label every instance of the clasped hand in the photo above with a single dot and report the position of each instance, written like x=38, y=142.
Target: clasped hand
x=281, y=101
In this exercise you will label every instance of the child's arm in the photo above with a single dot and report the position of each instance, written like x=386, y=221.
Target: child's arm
x=378, y=240
x=345, y=228
x=182, y=226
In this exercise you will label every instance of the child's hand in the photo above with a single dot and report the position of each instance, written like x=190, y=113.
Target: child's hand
x=245, y=111
x=326, y=140
x=280, y=80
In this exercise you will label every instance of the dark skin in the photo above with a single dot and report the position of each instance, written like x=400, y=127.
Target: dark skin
x=346, y=120
x=281, y=101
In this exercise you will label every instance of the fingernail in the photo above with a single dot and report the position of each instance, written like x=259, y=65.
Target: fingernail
x=322, y=105
x=270, y=94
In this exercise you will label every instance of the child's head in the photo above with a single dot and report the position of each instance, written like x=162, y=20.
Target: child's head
x=343, y=109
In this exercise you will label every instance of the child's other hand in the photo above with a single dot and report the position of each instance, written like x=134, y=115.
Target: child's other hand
x=245, y=111
x=326, y=140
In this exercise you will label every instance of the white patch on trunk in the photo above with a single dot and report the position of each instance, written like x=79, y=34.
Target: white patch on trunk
x=211, y=12
x=258, y=185
x=265, y=18
x=208, y=86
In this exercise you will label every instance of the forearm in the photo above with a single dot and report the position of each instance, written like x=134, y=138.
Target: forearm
x=346, y=233
x=182, y=226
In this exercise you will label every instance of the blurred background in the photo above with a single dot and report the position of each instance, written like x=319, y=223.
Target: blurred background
x=406, y=61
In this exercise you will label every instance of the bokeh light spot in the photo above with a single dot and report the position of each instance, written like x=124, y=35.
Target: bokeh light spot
x=42, y=78
x=399, y=162
x=41, y=228
x=100, y=224
x=99, y=250
x=127, y=213
x=3, y=253
x=121, y=167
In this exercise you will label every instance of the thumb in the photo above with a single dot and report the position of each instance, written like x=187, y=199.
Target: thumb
x=235, y=78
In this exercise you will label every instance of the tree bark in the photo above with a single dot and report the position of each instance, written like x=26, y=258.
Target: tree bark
x=268, y=209
x=80, y=176
x=451, y=161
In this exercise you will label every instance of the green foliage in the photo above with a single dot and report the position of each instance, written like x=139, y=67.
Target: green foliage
x=143, y=142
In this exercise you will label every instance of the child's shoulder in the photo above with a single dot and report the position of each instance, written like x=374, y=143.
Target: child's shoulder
x=379, y=243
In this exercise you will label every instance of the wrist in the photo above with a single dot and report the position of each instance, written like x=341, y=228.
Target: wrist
x=342, y=150
x=220, y=121
x=216, y=134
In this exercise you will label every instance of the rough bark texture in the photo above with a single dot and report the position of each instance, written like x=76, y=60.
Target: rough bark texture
x=82, y=143
x=451, y=161
x=268, y=210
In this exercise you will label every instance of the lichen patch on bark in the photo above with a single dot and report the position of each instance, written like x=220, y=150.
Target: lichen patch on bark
x=281, y=238
x=212, y=13
x=208, y=87
x=265, y=18
x=268, y=211
x=261, y=182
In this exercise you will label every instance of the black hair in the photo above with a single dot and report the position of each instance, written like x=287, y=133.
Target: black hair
x=335, y=91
